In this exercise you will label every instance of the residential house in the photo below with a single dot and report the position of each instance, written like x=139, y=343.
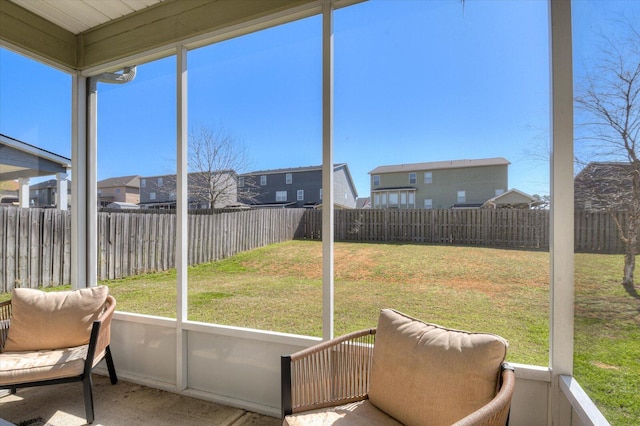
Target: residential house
x=296, y=187
x=603, y=186
x=439, y=184
x=124, y=189
x=43, y=194
x=206, y=190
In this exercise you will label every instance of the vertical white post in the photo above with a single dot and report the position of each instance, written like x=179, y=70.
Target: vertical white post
x=23, y=192
x=61, y=194
x=562, y=226
x=91, y=182
x=327, y=170
x=78, y=183
x=182, y=227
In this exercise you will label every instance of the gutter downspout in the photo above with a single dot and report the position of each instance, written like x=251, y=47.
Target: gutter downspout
x=91, y=231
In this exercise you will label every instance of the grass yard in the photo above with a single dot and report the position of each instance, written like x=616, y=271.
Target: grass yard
x=505, y=292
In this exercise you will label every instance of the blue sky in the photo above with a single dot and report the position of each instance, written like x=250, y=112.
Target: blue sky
x=415, y=81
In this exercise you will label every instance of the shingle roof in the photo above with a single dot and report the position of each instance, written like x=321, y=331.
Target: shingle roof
x=435, y=165
x=133, y=181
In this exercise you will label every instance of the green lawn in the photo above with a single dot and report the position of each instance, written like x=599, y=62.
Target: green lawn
x=506, y=292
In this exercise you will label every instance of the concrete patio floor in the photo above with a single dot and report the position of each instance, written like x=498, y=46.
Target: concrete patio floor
x=125, y=404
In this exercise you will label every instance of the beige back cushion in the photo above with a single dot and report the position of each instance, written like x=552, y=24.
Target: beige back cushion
x=424, y=374
x=53, y=320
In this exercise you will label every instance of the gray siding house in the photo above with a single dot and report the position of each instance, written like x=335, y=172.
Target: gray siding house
x=439, y=184
x=206, y=190
x=296, y=187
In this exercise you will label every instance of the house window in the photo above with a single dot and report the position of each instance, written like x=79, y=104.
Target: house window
x=300, y=194
x=393, y=198
x=376, y=201
x=152, y=195
x=412, y=200
x=263, y=180
x=428, y=203
x=143, y=183
x=99, y=192
x=241, y=182
x=413, y=178
x=428, y=177
x=281, y=195
x=117, y=190
x=403, y=198
x=499, y=192
x=321, y=193
x=383, y=200
x=289, y=178
x=160, y=181
x=462, y=197
x=376, y=180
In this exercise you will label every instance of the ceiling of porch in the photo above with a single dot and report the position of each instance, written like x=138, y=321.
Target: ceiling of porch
x=86, y=34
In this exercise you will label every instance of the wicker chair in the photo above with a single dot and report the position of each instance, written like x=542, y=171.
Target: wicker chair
x=63, y=365
x=337, y=373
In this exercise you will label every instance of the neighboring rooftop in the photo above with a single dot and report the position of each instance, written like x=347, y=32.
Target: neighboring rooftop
x=435, y=165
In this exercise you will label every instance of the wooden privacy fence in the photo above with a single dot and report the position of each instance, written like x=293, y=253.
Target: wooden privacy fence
x=35, y=244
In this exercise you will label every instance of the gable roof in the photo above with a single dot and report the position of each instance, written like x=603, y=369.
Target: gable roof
x=130, y=181
x=437, y=165
x=513, y=198
x=292, y=170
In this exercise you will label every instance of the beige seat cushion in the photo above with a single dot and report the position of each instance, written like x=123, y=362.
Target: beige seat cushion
x=25, y=367
x=361, y=413
x=424, y=374
x=53, y=320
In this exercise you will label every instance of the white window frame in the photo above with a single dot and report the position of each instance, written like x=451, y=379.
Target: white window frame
x=428, y=203
x=376, y=180
x=288, y=178
x=428, y=178
x=300, y=195
x=152, y=195
x=263, y=180
x=241, y=182
x=143, y=183
x=281, y=196
x=461, y=196
x=413, y=178
x=160, y=181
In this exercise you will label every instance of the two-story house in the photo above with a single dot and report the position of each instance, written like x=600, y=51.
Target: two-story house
x=124, y=189
x=438, y=184
x=296, y=187
x=206, y=190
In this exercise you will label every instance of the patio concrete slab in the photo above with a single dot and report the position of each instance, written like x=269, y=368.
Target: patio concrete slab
x=122, y=404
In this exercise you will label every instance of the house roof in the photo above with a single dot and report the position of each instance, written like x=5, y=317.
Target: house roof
x=130, y=181
x=510, y=198
x=436, y=165
x=292, y=170
x=19, y=159
x=604, y=185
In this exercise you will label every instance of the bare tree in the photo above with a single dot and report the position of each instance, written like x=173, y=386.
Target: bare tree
x=216, y=159
x=609, y=97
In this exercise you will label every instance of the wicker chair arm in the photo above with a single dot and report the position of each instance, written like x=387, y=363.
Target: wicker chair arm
x=330, y=373
x=496, y=412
